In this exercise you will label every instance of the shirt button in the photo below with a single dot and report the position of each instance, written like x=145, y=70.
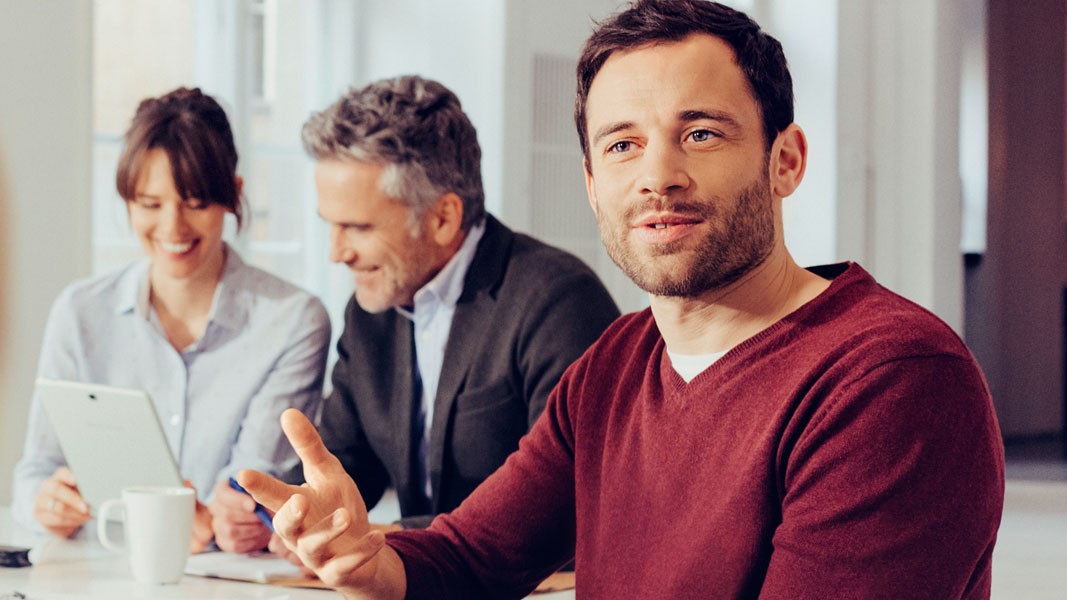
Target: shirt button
x=175, y=420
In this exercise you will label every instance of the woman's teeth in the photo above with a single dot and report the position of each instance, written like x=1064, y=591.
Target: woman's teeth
x=179, y=248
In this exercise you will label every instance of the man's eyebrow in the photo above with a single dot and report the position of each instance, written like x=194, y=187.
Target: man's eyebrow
x=342, y=223
x=609, y=129
x=685, y=116
x=712, y=115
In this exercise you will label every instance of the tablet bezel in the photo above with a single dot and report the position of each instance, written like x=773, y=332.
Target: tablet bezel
x=111, y=437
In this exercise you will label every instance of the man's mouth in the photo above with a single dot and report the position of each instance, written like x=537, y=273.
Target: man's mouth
x=664, y=228
x=665, y=221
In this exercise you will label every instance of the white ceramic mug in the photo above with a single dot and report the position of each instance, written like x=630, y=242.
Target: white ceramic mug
x=158, y=527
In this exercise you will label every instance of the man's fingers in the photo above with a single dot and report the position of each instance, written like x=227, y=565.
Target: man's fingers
x=313, y=546
x=266, y=490
x=307, y=443
x=289, y=520
x=339, y=570
x=278, y=547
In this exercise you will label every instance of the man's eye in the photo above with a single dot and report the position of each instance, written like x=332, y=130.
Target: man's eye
x=150, y=204
x=701, y=135
x=620, y=146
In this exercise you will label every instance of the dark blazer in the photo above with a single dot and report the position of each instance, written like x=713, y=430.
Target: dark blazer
x=527, y=311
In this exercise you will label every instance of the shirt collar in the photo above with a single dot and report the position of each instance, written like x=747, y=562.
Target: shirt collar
x=447, y=286
x=132, y=290
x=226, y=308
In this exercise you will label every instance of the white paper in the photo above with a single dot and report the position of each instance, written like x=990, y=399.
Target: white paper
x=258, y=567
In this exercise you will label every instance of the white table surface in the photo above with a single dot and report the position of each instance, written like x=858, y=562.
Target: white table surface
x=82, y=568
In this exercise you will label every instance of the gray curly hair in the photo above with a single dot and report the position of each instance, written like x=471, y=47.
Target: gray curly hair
x=417, y=130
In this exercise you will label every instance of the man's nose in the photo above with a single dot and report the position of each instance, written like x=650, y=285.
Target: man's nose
x=664, y=166
x=340, y=251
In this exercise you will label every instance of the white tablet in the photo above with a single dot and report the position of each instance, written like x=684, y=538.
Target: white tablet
x=111, y=437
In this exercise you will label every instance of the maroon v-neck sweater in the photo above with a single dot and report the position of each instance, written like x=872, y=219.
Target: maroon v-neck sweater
x=848, y=451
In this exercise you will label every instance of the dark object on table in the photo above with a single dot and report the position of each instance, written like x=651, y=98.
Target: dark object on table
x=12, y=556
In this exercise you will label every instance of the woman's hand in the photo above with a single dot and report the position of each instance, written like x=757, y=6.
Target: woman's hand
x=59, y=506
x=202, y=531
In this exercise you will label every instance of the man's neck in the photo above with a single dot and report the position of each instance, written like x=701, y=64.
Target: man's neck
x=722, y=318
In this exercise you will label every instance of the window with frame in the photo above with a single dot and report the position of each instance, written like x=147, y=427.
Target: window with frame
x=236, y=51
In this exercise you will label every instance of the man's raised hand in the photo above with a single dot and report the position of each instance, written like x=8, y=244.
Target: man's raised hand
x=324, y=521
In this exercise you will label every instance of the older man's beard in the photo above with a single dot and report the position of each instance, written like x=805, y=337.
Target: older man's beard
x=738, y=242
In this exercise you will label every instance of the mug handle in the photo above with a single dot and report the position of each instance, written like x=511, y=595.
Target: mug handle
x=101, y=524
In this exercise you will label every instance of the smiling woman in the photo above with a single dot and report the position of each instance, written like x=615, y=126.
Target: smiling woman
x=175, y=324
x=183, y=235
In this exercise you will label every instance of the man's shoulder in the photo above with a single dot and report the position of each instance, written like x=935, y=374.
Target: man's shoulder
x=860, y=313
x=518, y=266
x=538, y=259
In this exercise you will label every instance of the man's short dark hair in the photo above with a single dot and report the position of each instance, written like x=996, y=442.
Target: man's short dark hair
x=647, y=22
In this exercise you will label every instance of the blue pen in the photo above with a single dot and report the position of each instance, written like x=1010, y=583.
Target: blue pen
x=260, y=511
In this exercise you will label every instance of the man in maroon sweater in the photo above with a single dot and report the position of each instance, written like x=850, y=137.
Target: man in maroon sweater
x=762, y=430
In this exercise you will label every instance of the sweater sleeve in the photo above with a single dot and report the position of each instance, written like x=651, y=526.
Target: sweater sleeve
x=894, y=489
x=512, y=532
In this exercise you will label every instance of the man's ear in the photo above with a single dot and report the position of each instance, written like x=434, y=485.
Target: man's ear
x=446, y=218
x=789, y=158
x=590, y=188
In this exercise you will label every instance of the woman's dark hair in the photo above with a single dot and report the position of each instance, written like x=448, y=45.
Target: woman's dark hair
x=646, y=22
x=192, y=128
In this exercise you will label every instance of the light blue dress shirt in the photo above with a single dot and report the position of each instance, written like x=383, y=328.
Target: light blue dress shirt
x=263, y=350
x=435, y=303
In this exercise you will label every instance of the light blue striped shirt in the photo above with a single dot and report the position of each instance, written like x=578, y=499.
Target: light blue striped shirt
x=263, y=350
x=435, y=303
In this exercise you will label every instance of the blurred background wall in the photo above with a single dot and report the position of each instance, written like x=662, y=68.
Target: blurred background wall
x=45, y=114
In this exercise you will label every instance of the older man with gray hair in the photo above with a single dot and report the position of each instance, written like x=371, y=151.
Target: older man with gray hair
x=459, y=327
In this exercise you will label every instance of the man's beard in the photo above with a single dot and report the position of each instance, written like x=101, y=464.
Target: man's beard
x=739, y=242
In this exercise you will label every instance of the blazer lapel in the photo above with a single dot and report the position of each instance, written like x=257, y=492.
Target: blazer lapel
x=470, y=325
